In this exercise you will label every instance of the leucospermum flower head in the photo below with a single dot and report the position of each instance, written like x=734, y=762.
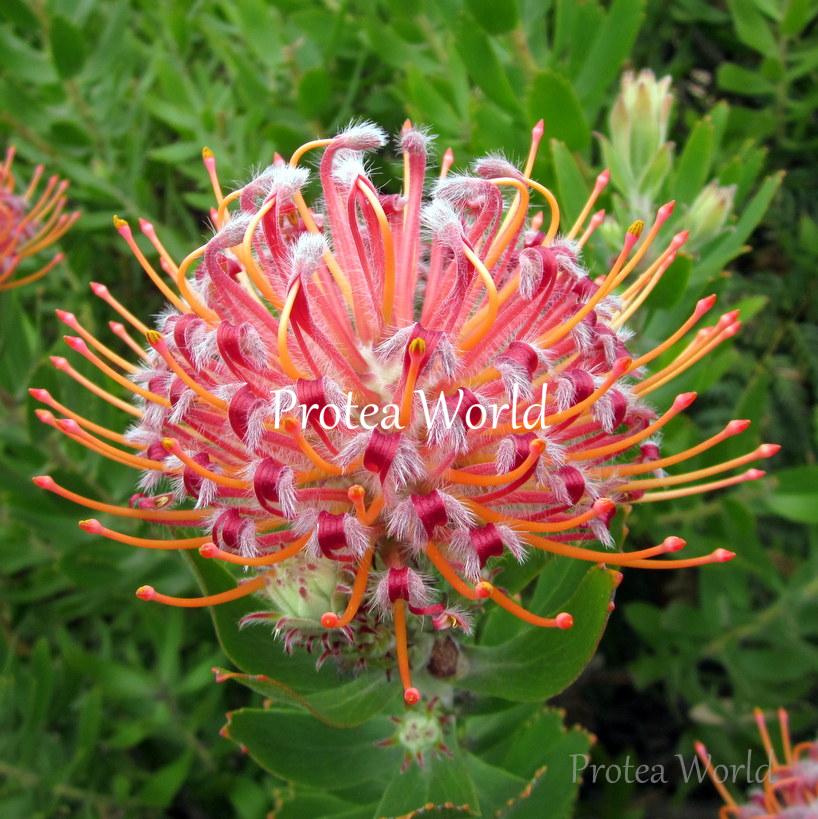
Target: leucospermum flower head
x=789, y=789
x=31, y=219
x=370, y=398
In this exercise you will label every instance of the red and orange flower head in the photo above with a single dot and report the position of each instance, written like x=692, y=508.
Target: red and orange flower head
x=790, y=786
x=29, y=222
x=327, y=396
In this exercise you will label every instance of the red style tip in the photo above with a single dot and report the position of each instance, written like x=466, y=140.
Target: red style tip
x=208, y=550
x=665, y=211
x=621, y=366
x=706, y=304
x=98, y=289
x=69, y=425
x=604, y=507
x=329, y=619
x=411, y=696
x=45, y=416
x=538, y=130
x=684, y=400
x=701, y=750
x=603, y=178
x=145, y=226
x=768, y=450
x=564, y=620
x=75, y=343
x=674, y=544
x=146, y=592
x=723, y=555
x=116, y=327
x=59, y=362
x=43, y=481
x=736, y=426
x=66, y=318
x=39, y=394
x=754, y=474
x=482, y=590
x=91, y=525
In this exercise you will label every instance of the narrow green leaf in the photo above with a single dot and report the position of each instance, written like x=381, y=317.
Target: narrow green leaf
x=611, y=44
x=67, y=46
x=299, y=748
x=553, y=98
x=571, y=185
x=494, y=17
x=693, y=167
x=752, y=29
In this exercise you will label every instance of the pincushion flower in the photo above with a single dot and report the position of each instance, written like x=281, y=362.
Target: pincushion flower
x=790, y=786
x=29, y=223
x=365, y=525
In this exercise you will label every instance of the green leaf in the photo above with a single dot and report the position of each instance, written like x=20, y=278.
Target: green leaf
x=553, y=98
x=796, y=16
x=163, y=784
x=441, y=780
x=346, y=705
x=612, y=43
x=673, y=284
x=299, y=748
x=740, y=80
x=494, y=17
x=541, y=662
x=67, y=46
x=571, y=185
x=795, y=495
x=751, y=27
x=694, y=164
x=483, y=66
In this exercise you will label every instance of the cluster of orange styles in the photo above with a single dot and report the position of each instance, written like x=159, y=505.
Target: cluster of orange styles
x=789, y=788
x=314, y=398
x=29, y=222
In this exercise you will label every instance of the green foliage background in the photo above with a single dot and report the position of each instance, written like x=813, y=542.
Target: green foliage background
x=109, y=708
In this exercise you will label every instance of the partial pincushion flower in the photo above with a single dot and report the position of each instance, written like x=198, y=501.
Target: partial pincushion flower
x=362, y=527
x=30, y=221
x=789, y=789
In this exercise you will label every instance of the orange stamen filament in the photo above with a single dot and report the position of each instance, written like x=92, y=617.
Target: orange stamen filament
x=283, y=326
x=560, y=621
x=294, y=428
x=492, y=516
x=402, y=651
x=124, y=230
x=417, y=349
x=673, y=480
x=388, y=251
x=254, y=272
x=470, y=479
x=65, y=367
x=332, y=620
x=210, y=550
x=154, y=515
x=195, y=303
x=493, y=305
x=95, y=528
x=681, y=403
x=448, y=573
x=599, y=186
x=250, y=587
x=156, y=340
x=717, y=783
x=654, y=497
